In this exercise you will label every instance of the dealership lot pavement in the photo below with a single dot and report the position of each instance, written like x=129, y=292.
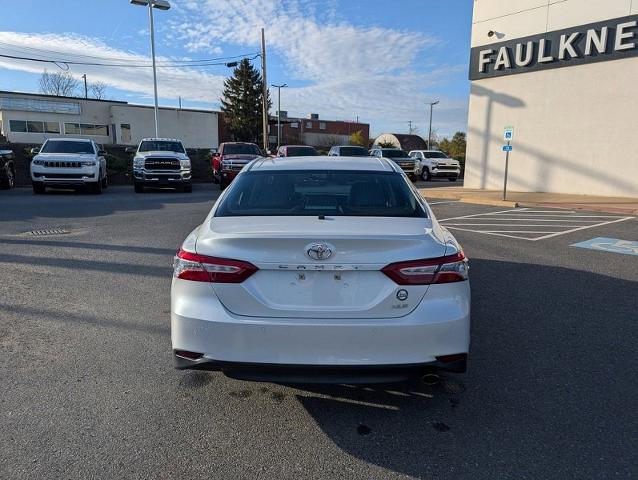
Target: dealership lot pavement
x=89, y=390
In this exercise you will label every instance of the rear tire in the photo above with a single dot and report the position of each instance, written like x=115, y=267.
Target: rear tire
x=39, y=188
x=452, y=179
x=139, y=188
x=425, y=174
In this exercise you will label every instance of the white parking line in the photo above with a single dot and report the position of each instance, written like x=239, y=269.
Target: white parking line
x=442, y=203
x=507, y=223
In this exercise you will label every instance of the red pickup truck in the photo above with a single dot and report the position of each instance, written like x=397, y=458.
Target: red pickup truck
x=230, y=158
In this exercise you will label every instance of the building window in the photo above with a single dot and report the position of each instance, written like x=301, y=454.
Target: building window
x=322, y=125
x=72, y=129
x=86, y=129
x=126, y=132
x=35, y=127
x=294, y=125
x=308, y=124
x=52, y=127
x=18, y=126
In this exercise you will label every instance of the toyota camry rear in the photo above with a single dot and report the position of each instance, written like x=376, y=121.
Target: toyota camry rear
x=321, y=270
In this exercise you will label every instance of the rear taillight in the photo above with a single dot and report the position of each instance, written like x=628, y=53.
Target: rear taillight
x=202, y=268
x=448, y=269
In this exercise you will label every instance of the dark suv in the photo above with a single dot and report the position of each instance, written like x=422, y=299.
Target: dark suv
x=7, y=170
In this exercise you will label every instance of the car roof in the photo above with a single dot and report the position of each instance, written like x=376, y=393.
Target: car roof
x=60, y=139
x=238, y=143
x=324, y=162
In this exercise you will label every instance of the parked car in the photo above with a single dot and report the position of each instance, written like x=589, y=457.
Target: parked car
x=7, y=170
x=435, y=163
x=161, y=162
x=321, y=270
x=348, y=151
x=297, y=151
x=230, y=158
x=68, y=162
x=408, y=164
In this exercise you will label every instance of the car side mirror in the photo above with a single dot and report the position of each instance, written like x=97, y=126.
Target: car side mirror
x=130, y=149
x=35, y=151
x=101, y=153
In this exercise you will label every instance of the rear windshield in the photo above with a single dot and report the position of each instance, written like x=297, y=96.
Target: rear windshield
x=301, y=152
x=354, y=152
x=241, y=150
x=160, y=146
x=66, y=146
x=394, y=153
x=309, y=192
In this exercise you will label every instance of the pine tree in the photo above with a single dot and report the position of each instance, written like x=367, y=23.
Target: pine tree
x=242, y=103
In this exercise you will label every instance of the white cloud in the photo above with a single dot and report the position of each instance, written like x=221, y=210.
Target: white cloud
x=345, y=70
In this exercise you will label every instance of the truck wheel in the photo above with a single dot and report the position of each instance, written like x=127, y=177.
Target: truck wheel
x=425, y=174
x=39, y=188
x=215, y=177
x=105, y=183
x=452, y=179
x=139, y=188
x=97, y=186
x=222, y=183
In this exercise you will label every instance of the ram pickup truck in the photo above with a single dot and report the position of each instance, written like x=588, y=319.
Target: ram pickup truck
x=161, y=162
x=230, y=158
x=435, y=163
x=7, y=170
x=408, y=164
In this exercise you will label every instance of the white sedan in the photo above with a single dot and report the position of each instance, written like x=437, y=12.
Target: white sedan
x=323, y=269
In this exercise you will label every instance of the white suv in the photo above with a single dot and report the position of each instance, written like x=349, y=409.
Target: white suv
x=68, y=162
x=435, y=163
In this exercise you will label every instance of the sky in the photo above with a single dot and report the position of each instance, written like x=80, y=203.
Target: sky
x=380, y=61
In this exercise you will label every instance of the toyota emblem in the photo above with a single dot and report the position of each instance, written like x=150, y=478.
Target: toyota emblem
x=319, y=251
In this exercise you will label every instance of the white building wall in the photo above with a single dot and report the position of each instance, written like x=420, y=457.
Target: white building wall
x=196, y=129
x=574, y=127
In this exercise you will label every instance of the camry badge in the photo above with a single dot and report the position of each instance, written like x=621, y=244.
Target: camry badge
x=319, y=251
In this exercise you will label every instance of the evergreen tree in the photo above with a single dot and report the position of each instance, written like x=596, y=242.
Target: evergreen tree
x=242, y=103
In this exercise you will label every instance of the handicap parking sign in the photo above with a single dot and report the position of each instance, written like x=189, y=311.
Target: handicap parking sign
x=613, y=245
x=508, y=134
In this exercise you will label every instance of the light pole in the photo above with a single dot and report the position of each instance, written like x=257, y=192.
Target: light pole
x=430, y=132
x=160, y=5
x=279, y=87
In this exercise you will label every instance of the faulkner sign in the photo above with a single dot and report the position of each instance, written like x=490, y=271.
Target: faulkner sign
x=595, y=42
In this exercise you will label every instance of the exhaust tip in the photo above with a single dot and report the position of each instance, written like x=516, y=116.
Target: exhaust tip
x=188, y=355
x=431, y=379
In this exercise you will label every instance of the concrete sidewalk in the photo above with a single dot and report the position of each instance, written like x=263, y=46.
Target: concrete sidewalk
x=624, y=205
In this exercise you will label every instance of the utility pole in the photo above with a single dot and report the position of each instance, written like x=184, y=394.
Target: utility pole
x=430, y=132
x=180, y=102
x=265, y=91
x=279, y=87
x=86, y=90
x=410, y=126
x=150, y=21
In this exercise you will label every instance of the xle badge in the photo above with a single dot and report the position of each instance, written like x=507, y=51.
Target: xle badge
x=402, y=295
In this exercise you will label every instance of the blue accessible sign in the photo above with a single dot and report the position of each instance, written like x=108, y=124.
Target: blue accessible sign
x=507, y=148
x=613, y=245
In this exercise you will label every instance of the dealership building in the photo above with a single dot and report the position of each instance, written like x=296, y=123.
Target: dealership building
x=563, y=76
x=32, y=118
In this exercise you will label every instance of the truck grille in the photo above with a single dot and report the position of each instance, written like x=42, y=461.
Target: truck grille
x=235, y=165
x=447, y=167
x=406, y=165
x=63, y=164
x=158, y=163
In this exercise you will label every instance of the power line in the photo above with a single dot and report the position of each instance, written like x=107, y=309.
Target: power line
x=128, y=65
x=121, y=59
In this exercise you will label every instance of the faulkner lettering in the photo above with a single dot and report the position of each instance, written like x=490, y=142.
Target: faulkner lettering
x=596, y=42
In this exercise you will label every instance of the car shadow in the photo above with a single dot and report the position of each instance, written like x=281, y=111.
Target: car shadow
x=552, y=365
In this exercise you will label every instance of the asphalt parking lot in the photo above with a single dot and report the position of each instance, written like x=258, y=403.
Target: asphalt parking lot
x=89, y=390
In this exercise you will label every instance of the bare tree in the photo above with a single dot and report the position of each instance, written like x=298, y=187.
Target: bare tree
x=59, y=84
x=98, y=90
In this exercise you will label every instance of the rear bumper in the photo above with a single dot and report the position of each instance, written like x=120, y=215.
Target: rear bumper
x=289, y=373
x=307, y=348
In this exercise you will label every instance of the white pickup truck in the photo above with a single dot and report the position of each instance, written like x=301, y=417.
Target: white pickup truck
x=436, y=164
x=161, y=162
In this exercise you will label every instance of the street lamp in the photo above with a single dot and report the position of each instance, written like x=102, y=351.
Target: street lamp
x=160, y=5
x=431, y=104
x=279, y=87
